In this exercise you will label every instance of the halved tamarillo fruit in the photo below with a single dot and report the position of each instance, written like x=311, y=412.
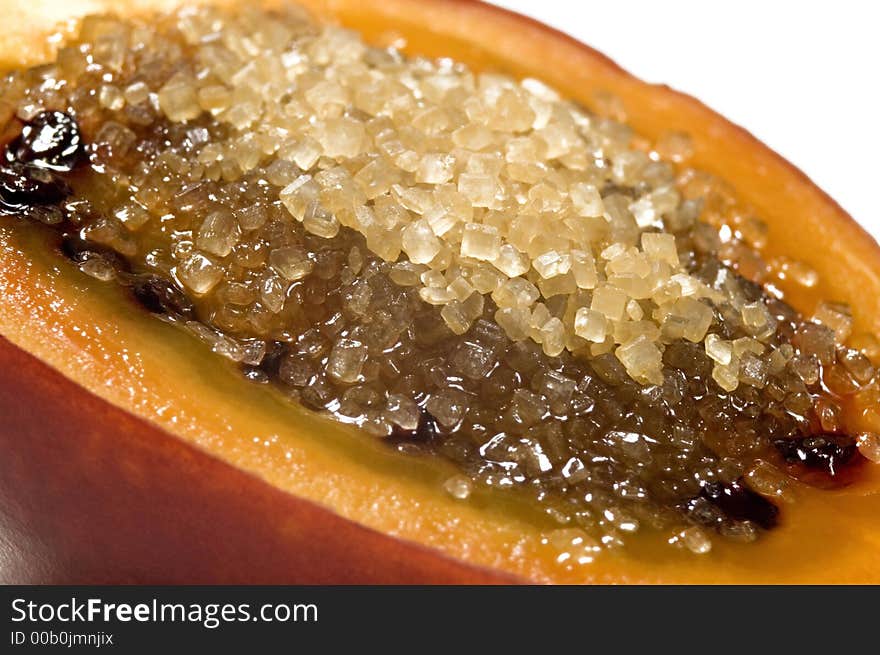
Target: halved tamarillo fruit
x=281, y=306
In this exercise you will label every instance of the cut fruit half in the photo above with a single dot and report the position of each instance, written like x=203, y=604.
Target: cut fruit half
x=540, y=364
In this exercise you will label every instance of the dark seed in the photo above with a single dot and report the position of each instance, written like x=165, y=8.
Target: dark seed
x=254, y=374
x=426, y=432
x=79, y=251
x=720, y=501
x=427, y=429
x=826, y=452
x=51, y=140
x=740, y=503
x=313, y=399
x=47, y=214
x=271, y=362
x=23, y=185
x=703, y=511
x=75, y=249
x=161, y=296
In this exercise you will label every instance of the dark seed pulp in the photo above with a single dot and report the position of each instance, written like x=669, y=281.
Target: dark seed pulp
x=49, y=144
x=722, y=502
x=160, y=296
x=23, y=185
x=824, y=452
x=740, y=503
x=51, y=140
x=427, y=431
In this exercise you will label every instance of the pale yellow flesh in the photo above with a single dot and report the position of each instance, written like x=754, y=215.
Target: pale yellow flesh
x=89, y=332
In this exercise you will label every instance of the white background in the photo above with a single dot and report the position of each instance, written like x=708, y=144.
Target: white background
x=801, y=76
